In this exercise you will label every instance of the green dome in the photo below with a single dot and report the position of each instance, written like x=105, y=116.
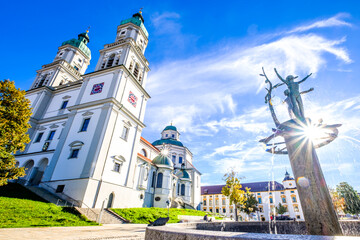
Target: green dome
x=162, y=160
x=80, y=43
x=138, y=20
x=183, y=174
x=170, y=128
x=167, y=141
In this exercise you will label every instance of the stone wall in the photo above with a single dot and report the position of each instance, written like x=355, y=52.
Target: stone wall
x=350, y=228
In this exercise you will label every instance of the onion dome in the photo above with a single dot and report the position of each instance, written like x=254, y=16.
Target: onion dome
x=183, y=174
x=162, y=160
x=138, y=20
x=171, y=127
x=80, y=43
x=167, y=141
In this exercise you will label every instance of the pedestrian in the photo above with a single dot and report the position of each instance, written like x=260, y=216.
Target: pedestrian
x=206, y=218
x=271, y=217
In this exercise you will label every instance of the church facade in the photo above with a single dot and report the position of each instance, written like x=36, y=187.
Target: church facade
x=86, y=143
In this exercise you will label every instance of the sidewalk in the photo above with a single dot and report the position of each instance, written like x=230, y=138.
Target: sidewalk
x=109, y=231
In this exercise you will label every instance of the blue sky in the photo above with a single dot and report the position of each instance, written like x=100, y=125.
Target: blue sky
x=205, y=59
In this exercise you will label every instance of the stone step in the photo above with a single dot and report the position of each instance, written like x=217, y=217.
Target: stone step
x=107, y=217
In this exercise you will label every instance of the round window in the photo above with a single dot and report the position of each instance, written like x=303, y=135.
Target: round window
x=157, y=199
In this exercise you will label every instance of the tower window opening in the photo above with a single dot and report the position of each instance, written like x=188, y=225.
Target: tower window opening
x=136, y=70
x=64, y=104
x=74, y=153
x=85, y=125
x=79, y=60
x=51, y=135
x=117, y=61
x=131, y=65
x=180, y=160
x=125, y=133
x=111, y=60
x=41, y=83
x=76, y=68
x=140, y=77
x=153, y=180
x=39, y=136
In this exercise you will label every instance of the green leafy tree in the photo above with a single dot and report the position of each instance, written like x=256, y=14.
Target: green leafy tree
x=15, y=114
x=233, y=191
x=281, y=209
x=352, y=200
x=249, y=203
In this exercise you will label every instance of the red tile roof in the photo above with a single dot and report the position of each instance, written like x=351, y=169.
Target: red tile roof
x=149, y=144
x=144, y=158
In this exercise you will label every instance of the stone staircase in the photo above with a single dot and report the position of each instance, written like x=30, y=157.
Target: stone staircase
x=107, y=216
x=48, y=196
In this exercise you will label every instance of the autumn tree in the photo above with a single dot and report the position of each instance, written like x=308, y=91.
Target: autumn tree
x=338, y=201
x=352, y=200
x=15, y=114
x=281, y=209
x=232, y=190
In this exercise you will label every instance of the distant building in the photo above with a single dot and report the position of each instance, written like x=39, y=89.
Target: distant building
x=268, y=194
x=86, y=142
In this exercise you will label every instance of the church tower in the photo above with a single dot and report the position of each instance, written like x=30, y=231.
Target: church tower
x=71, y=61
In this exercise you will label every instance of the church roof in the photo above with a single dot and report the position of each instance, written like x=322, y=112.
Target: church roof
x=287, y=177
x=254, y=187
x=183, y=174
x=78, y=43
x=162, y=160
x=171, y=127
x=138, y=20
x=167, y=141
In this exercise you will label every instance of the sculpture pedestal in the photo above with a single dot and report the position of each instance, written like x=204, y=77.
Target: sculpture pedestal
x=319, y=213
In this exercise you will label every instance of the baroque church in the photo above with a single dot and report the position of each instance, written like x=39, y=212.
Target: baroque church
x=86, y=145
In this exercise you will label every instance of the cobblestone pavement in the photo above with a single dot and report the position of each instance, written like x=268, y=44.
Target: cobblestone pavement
x=105, y=232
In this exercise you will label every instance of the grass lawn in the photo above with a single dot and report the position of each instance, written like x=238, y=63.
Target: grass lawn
x=144, y=215
x=20, y=207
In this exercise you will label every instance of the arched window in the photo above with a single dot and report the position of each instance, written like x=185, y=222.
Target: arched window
x=111, y=60
x=42, y=81
x=178, y=189
x=159, y=180
x=143, y=152
x=131, y=65
x=140, y=77
x=136, y=70
x=182, y=189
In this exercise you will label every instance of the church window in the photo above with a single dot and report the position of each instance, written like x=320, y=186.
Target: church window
x=296, y=208
x=261, y=209
x=123, y=32
x=210, y=209
x=131, y=65
x=111, y=60
x=74, y=153
x=136, y=70
x=143, y=152
x=125, y=133
x=173, y=158
x=180, y=160
x=224, y=210
x=103, y=64
x=297, y=216
x=76, y=68
x=60, y=188
x=166, y=135
x=182, y=189
x=79, y=60
x=223, y=201
x=85, y=125
x=281, y=192
x=153, y=180
x=210, y=202
x=140, y=77
x=294, y=199
x=117, y=167
x=231, y=210
x=39, y=136
x=159, y=180
x=259, y=200
x=283, y=200
x=216, y=201
x=117, y=61
x=271, y=200
x=292, y=191
x=60, y=53
x=51, y=135
x=173, y=135
x=64, y=104
x=204, y=202
x=41, y=83
x=217, y=210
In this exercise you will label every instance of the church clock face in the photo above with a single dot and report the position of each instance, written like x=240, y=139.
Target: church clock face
x=132, y=99
x=97, y=88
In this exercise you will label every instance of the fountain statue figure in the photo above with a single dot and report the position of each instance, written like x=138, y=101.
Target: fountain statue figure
x=320, y=216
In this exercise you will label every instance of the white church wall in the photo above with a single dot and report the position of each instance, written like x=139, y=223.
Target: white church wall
x=106, y=79
x=67, y=167
x=57, y=101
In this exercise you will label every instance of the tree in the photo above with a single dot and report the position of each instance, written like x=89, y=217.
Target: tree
x=233, y=191
x=281, y=209
x=15, y=114
x=338, y=201
x=352, y=200
x=249, y=203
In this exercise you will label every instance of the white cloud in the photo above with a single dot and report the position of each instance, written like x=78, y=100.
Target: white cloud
x=335, y=21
